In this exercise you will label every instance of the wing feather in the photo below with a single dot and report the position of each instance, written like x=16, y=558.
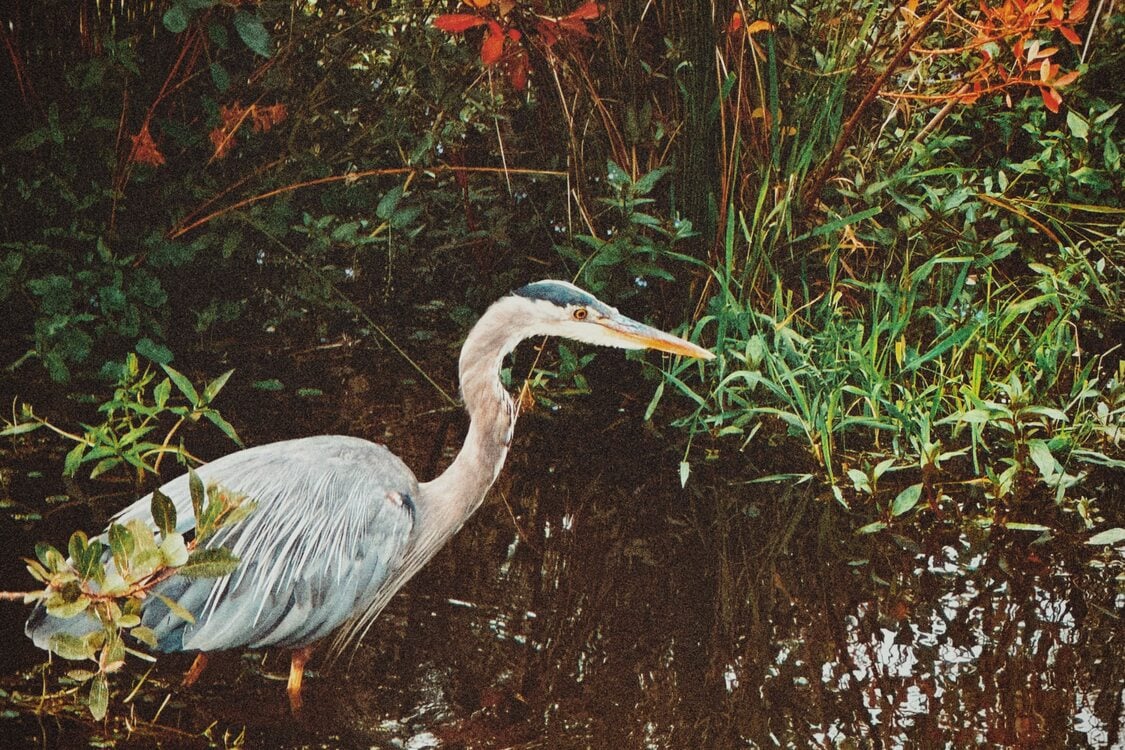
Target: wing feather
x=334, y=517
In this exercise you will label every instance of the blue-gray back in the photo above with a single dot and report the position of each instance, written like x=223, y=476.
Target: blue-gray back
x=334, y=518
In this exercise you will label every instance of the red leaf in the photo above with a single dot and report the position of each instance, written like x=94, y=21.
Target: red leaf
x=265, y=117
x=548, y=32
x=1051, y=98
x=456, y=23
x=735, y=22
x=492, y=48
x=585, y=12
x=1066, y=79
x=517, y=70
x=577, y=28
x=1070, y=35
x=145, y=150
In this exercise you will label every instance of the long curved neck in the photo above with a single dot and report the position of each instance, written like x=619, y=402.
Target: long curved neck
x=456, y=493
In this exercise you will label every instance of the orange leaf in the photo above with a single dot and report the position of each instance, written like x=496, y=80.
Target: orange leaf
x=266, y=117
x=1078, y=10
x=222, y=142
x=1051, y=98
x=517, y=69
x=548, y=31
x=456, y=23
x=759, y=25
x=478, y=4
x=144, y=149
x=585, y=12
x=492, y=48
x=1066, y=80
x=735, y=22
x=1071, y=37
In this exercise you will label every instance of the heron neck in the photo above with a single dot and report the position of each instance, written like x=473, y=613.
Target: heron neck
x=458, y=491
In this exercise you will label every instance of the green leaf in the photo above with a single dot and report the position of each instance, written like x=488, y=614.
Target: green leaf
x=404, y=216
x=1078, y=127
x=240, y=512
x=76, y=547
x=1040, y=454
x=158, y=353
x=51, y=558
x=183, y=384
x=175, y=608
x=98, y=701
x=121, y=545
x=145, y=635
x=615, y=175
x=71, y=647
x=142, y=536
x=212, y=389
x=161, y=393
x=227, y=428
x=20, y=428
x=645, y=184
x=871, y=528
x=1108, y=537
x=66, y=610
x=389, y=202
x=1021, y=526
x=128, y=621
x=37, y=571
x=906, y=500
x=217, y=33
x=174, y=550
x=220, y=77
x=209, y=563
x=195, y=486
x=685, y=472
x=175, y=19
x=860, y=480
x=270, y=384
x=74, y=459
x=163, y=512
x=253, y=33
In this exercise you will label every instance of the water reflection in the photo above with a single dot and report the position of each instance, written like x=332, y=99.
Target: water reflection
x=593, y=603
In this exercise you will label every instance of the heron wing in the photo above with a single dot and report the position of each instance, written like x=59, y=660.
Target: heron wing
x=334, y=516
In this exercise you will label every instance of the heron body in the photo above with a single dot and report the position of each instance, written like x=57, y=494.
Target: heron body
x=342, y=523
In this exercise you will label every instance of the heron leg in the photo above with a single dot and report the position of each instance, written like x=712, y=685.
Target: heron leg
x=196, y=669
x=296, y=674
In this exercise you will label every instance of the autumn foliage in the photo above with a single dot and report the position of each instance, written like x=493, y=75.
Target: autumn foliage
x=234, y=116
x=1011, y=46
x=508, y=25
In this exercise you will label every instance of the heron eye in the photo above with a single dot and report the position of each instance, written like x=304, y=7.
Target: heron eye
x=580, y=313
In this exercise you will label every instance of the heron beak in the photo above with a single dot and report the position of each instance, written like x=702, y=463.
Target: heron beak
x=639, y=335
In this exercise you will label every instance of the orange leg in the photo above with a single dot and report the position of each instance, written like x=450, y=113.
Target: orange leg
x=296, y=673
x=196, y=669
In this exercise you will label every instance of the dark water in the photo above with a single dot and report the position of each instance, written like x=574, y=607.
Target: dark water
x=594, y=603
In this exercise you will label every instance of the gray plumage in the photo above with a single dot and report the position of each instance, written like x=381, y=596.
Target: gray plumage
x=342, y=523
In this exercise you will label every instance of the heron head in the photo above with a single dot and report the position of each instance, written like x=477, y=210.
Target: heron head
x=562, y=309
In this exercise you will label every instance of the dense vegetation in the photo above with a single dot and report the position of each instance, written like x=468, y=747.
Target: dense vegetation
x=900, y=226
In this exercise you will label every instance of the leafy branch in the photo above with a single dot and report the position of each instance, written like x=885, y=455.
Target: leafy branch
x=110, y=577
x=131, y=416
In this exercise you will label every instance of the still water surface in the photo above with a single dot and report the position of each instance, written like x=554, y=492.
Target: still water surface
x=593, y=603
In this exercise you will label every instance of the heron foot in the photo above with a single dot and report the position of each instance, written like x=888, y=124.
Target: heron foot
x=296, y=673
x=196, y=669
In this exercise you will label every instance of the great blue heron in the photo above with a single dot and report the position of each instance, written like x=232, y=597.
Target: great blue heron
x=342, y=523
